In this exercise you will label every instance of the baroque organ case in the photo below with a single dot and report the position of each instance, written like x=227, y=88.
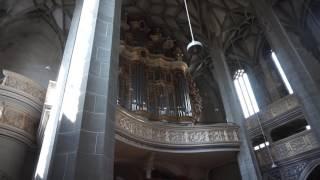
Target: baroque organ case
x=154, y=80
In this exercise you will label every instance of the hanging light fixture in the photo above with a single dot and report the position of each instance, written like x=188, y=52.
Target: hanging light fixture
x=193, y=44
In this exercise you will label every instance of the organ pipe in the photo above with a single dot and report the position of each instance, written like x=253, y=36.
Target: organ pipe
x=159, y=92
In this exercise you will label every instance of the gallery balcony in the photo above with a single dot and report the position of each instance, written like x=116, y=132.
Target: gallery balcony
x=21, y=101
x=139, y=131
x=293, y=147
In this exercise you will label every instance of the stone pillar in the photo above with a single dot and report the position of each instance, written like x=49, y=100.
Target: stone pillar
x=301, y=70
x=95, y=158
x=79, y=137
x=246, y=159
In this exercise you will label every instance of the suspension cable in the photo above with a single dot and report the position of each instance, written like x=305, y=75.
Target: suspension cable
x=189, y=21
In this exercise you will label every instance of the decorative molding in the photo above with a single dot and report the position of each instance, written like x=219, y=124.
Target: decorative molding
x=274, y=110
x=24, y=85
x=195, y=99
x=294, y=171
x=152, y=60
x=310, y=166
x=21, y=102
x=12, y=116
x=139, y=129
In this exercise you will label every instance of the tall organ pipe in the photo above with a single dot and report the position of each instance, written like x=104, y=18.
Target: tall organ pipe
x=160, y=94
x=138, y=81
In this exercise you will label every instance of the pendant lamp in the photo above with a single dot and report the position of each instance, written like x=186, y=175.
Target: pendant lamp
x=193, y=44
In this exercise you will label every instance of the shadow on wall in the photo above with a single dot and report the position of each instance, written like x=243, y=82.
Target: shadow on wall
x=132, y=172
x=212, y=107
x=32, y=48
x=315, y=174
x=227, y=172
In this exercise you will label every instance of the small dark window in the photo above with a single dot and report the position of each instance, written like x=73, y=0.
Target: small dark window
x=289, y=129
x=143, y=54
x=157, y=75
x=150, y=76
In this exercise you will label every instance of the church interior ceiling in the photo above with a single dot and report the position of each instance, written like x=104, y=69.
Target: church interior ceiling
x=230, y=24
x=57, y=13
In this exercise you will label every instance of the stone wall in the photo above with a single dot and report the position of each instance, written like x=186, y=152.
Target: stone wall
x=30, y=47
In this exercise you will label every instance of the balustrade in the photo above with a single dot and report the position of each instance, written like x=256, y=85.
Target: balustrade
x=274, y=110
x=21, y=102
x=289, y=147
x=138, y=129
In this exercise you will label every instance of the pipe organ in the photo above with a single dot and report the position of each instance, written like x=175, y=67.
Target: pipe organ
x=154, y=86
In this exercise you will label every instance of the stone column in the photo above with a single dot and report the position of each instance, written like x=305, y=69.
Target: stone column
x=246, y=159
x=79, y=137
x=299, y=66
x=95, y=158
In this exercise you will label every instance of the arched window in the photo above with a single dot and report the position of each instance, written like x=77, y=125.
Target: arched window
x=281, y=72
x=245, y=93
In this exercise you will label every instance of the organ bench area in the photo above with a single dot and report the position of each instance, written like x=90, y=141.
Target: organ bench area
x=155, y=86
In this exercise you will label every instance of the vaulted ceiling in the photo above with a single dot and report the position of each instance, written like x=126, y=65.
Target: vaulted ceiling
x=210, y=18
x=232, y=23
x=57, y=13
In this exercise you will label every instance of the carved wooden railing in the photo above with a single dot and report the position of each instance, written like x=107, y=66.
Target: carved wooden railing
x=139, y=131
x=289, y=147
x=274, y=110
x=21, y=102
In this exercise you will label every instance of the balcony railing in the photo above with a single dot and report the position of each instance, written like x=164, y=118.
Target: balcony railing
x=289, y=147
x=139, y=131
x=274, y=110
x=21, y=102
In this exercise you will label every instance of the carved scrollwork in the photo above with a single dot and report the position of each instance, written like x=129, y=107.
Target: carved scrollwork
x=21, y=101
x=13, y=117
x=23, y=84
x=195, y=98
x=136, y=127
x=274, y=110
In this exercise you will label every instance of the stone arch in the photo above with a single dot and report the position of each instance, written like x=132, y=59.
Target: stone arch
x=308, y=169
